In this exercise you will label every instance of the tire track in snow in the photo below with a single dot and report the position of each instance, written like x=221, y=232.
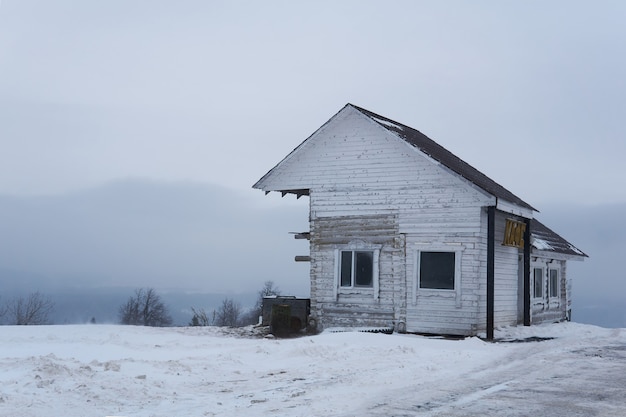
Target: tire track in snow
x=543, y=380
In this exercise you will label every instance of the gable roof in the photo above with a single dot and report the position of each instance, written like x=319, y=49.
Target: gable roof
x=542, y=237
x=448, y=159
x=545, y=239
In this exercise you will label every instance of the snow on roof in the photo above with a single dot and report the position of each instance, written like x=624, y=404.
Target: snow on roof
x=546, y=239
x=575, y=249
x=541, y=244
x=445, y=157
x=388, y=123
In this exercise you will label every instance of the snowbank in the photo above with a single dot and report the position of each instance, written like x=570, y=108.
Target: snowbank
x=105, y=370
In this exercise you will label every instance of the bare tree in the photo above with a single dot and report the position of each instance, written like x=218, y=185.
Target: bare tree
x=145, y=308
x=32, y=310
x=199, y=318
x=3, y=310
x=228, y=314
x=269, y=289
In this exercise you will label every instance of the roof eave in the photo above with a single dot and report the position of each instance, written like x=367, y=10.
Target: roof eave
x=515, y=209
x=558, y=255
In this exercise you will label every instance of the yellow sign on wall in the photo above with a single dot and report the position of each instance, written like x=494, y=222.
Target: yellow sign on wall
x=514, y=233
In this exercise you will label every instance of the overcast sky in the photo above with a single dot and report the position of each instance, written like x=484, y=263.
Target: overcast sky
x=214, y=94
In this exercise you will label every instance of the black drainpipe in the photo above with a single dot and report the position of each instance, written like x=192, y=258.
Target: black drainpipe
x=527, y=273
x=491, y=215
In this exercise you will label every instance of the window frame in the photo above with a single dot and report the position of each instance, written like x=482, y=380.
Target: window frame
x=354, y=259
x=374, y=289
x=457, y=249
x=419, y=270
x=541, y=281
x=558, y=283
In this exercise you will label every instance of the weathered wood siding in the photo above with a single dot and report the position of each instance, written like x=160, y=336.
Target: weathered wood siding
x=506, y=281
x=378, y=306
x=351, y=154
x=441, y=311
x=550, y=309
x=446, y=311
x=370, y=187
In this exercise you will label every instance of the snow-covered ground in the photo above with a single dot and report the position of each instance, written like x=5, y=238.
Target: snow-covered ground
x=109, y=370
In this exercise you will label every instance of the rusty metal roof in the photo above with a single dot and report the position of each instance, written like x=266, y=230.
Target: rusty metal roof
x=445, y=157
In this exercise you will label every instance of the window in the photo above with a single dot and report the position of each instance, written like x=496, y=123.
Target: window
x=436, y=270
x=553, y=285
x=538, y=282
x=357, y=268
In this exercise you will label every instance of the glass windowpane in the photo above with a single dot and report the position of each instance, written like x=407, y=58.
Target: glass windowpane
x=554, y=283
x=346, y=268
x=538, y=282
x=364, y=272
x=437, y=270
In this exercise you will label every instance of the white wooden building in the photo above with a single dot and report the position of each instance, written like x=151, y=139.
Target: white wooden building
x=405, y=235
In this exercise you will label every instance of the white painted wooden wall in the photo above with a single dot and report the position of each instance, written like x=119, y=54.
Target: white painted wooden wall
x=362, y=178
x=547, y=309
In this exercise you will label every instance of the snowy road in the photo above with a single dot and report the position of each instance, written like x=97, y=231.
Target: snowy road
x=134, y=371
x=542, y=378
